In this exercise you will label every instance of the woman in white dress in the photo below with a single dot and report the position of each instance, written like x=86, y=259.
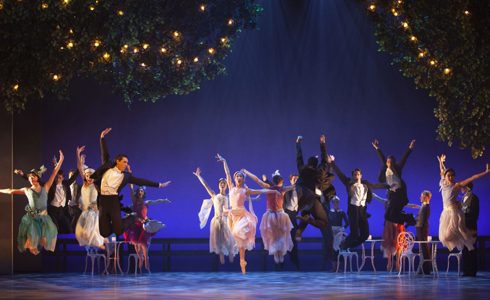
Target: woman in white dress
x=452, y=229
x=87, y=229
x=221, y=241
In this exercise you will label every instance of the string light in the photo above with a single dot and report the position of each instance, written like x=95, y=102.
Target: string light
x=224, y=40
x=467, y=12
x=124, y=48
x=394, y=12
x=146, y=46
x=106, y=56
x=69, y=45
x=120, y=13
x=421, y=54
x=432, y=62
x=196, y=59
x=44, y=5
x=1, y=5
x=143, y=64
x=211, y=51
x=136, y=50
x=56, y=77
x=413, y=38
x=447, y=71
x=91, y=7
x=163, y=50
x=230, y=22
x=176, y=34
x=97, y=43
x=71, y=31
x=15, y=87
x=372, y=7
x=179, y=61
x=202, y=7
x=66, y=2
x=405, y=25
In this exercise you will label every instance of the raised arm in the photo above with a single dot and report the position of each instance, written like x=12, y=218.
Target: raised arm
x=299, y=154
x=104, y=152
x=256, y=179
x=262, y=191
x=323, y=150
x=474, y=177
x=340, y=174
x=442, y=167
x=404, y=158
x=13, y=191
x=151, y=202
x=204, y=183
x=381, y=156
x=48, y=183
x=229, y=180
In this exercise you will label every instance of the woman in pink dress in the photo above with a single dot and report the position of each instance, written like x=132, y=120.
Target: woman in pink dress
x=242, y=223
x=275, y=226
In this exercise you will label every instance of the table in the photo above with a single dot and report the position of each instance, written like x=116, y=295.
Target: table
x=366, y=257
x=113, y=247
x=432, y=259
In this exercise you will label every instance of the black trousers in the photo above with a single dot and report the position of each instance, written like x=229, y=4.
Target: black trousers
x=110, y=215
x=359, y=226
x=75, y=213
x=394, y=212
x=470, y=261
x=308, y=200
x=421, y=234
x=294, y=253
x=60, y=218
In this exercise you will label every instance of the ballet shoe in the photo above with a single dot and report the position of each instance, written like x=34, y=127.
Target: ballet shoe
x=222, y=259
x=243, y=266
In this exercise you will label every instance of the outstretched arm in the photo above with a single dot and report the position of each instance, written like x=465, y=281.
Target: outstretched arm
x=13, y=191
x=342, y=177
x=403, y=160
x=48, y=183
x=262, y=191
x=442, y=167
x=104, y=153
x=227, y=170
x=256, y=179
x=323, y=150
x=299, y=153
x=151, y=202
x=381, y=156
x=204, y=183
x=474, y=177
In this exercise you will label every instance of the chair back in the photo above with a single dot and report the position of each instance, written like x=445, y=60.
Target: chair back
x=405, y=241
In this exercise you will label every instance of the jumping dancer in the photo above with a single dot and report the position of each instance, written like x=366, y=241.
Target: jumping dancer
x=221, y=240
x=36, y=229
x=242, y=223
x=275, y=226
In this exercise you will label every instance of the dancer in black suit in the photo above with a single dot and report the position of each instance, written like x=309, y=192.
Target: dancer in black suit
x=471, y=210
x=422, y=228
x=109, y=179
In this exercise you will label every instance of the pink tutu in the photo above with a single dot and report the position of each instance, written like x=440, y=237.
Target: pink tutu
x=243, y=226
x=275, y=229
x=452, y=230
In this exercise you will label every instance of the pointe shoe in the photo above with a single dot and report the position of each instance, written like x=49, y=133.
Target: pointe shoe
x=243, y=266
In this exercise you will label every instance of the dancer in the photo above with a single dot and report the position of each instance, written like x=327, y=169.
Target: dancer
x=275, y=226
x=221, y=240
x=74, y=203
x=422, y=229
x=391, y=174
x=109, y=179
x=87, y=230
x=36, y=229
x=359, y=193
x=339, y=221
x=471, y=210
x=242, y=223
x=453, y=232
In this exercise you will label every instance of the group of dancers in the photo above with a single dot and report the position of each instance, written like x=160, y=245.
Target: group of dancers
x=309, y=199
x=95, y=206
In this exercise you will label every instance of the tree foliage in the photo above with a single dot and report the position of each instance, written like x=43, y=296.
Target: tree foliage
x=445, y=47
x=144, y=49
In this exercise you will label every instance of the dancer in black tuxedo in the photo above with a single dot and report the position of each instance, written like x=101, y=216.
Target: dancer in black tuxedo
x=109, y=179
x=391, y=174
x=471, y=210
x=422, y=228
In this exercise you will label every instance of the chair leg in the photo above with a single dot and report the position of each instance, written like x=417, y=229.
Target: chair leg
x=86, y=263
x=345, y=264
x=459, y=262
x=447, y=269
x=93, y=262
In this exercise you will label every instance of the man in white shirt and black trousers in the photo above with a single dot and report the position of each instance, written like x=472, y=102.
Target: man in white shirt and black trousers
x=110, y=178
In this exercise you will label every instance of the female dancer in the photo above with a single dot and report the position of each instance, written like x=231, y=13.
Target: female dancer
x=242, y=223
x=221, y=241
x=275, y=226
x=87, y=228
x=452, y=229
x=36, y=229
x=140, y=232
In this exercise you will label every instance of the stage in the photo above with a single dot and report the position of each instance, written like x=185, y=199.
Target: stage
x=234, y=285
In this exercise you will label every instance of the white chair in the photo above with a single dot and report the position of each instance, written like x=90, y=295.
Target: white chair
x=93, y=255
x=458, y=256
x=405, y=242
x=347, y=254
x=136, y=263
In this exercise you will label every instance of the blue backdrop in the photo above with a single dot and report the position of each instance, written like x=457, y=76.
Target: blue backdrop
x=311, y=68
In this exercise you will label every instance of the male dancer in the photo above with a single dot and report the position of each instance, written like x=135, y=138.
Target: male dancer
x=422, y=228
x=109, y=179
x=471, y=209
x=359, y=194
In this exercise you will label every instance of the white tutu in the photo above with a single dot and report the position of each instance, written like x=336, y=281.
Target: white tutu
x=243, y=227
x=87, y=229
x=275, y=229
x=452, y=229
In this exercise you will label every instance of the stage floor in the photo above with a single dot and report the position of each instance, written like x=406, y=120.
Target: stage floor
x=254, y=285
